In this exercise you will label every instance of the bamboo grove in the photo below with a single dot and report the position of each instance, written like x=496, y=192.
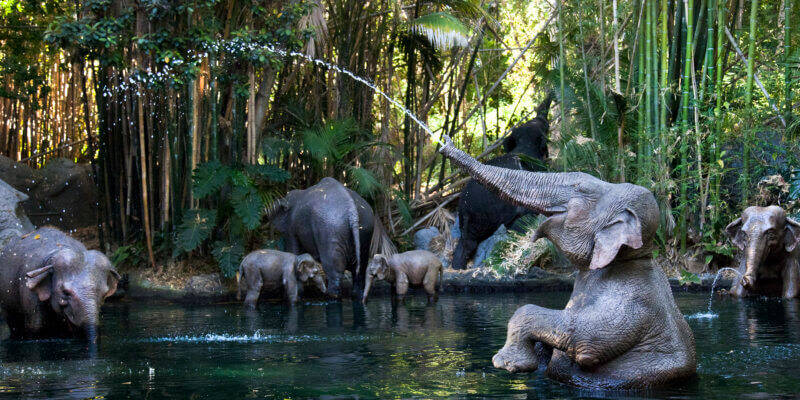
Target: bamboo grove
x=193, y=126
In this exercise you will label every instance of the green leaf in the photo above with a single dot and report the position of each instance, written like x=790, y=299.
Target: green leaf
x=442, y=29
x=196, y=228
x=209, y=178
x=688, y=277
x=363, y=182
x=228, y=257
x=269, y=172
x=248, y=205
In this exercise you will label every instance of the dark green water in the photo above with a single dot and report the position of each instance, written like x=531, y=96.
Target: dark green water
x=751, y=350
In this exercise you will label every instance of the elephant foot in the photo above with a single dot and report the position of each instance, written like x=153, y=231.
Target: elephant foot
x=515, y=358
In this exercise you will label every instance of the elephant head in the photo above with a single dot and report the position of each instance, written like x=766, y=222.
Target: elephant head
x=307, y=268
x=759, y=232
x=378, y=268
x=531, y=138
x=76, y=283
x=592, y=222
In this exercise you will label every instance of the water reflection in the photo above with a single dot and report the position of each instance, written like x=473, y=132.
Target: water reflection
x=318, y=349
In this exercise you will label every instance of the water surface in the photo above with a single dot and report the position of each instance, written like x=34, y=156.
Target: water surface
x=319, y=349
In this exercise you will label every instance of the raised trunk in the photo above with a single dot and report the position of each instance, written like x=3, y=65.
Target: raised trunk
x=544, y=193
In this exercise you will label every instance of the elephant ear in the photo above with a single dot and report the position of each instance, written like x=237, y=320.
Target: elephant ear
x=383, y=267
x=792, y=235
x=625, y=229
x=734, y=231
x=38, y=280
x=304, y=266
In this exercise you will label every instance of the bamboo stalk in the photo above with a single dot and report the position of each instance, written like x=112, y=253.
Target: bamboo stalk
x=748, y=101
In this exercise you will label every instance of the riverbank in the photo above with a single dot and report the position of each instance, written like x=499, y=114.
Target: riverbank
x=211, y=288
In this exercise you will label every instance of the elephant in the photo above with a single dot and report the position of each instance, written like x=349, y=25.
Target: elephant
x=51, y=285
x=480, y=212
x=415, y=267
x=768, y=262
x=621, y=327
x=13, y=221
x=272, y=269
x=335, y=226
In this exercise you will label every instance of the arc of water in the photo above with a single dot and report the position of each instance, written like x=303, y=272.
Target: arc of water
x=714, y=283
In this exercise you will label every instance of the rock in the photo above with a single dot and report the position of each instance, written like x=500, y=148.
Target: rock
x=422, y=238
x=205, y=286
x=13, y=221
x=486, y=246
x=455, y=230
x=62, y=193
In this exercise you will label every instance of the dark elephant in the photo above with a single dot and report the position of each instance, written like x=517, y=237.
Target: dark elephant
x=768, y=264
x=51, y=285
x=480, y=212
x=333, y=224
x=621, y=327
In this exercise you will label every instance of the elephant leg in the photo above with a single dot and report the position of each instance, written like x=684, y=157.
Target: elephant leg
x=791, y=279
x=291, y=287
x=583, y=337
x=291, y=244
x=429, y=282
x=253, y=291
x=401, y=287
x=464, y=251
x=16, y=325
x=334, y=266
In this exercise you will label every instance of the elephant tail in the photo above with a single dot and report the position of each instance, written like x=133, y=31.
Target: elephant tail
x=380, y=243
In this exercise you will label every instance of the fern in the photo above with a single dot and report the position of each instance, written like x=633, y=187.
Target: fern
x=196, y=228
x=269, y=173
x=228, y=257
x=364, y=182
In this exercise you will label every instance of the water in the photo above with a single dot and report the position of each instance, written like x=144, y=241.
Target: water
x=338, y=349
x=709, y=314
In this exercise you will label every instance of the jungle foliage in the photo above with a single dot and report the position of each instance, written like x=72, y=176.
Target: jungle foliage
x=194, y=126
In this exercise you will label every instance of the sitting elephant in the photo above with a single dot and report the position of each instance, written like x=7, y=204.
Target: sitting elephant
x=50, y=285
x=335, y=226
x=480, y=212
x=768, y=264
x=272, y=269
x=621, y=327
x=415, y=268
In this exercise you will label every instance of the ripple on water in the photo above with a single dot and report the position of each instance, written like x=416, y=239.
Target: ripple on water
x=702, y=315
x=256, y=337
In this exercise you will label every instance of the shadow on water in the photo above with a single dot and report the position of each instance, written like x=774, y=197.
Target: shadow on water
x=320, y=349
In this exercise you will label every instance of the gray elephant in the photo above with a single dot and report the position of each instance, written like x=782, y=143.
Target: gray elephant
x=51, y=285
x=768, y=264
x=621, y=327
x=13, y=221
x=335, y=226
x=412, y=268
x=273, y=269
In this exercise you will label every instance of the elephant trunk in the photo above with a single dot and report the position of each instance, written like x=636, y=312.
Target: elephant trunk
x=367, y=287
x=90, y=332
x=319, y=282
x=754, y=256
x=543, y=193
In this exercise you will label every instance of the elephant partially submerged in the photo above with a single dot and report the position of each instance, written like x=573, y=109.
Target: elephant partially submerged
x=335, y=226
x=480, y=212
x=768, y=263
x=51, y=285
x=621, y=327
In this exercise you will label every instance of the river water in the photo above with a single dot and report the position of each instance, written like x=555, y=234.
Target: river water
x=321, y=349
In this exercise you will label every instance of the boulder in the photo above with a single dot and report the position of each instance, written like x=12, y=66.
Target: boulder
x=422, y=238
x=486, y=246
x=62, y=193
x=13, y=221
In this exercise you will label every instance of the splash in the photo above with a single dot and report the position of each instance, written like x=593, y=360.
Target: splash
x=702, y=315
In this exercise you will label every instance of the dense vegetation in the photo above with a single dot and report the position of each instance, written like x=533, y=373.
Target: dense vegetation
x=194, y=126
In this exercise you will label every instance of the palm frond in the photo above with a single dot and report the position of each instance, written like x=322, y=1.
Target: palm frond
x=442, y=29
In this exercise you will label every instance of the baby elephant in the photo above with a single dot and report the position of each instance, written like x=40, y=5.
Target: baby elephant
x=416, y=267
x=271, y=269
x=768, y=264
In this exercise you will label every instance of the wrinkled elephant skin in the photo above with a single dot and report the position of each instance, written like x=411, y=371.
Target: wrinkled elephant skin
x=481, y=212
x=51, y=285
x=412, y=268
x=621, y=327
x=334, y=225
x=768, y=261
x=273, y=269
